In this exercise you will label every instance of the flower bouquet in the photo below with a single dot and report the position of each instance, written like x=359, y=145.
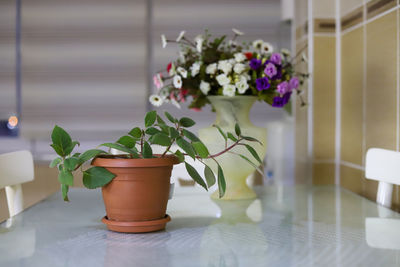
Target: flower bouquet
x=209, y=67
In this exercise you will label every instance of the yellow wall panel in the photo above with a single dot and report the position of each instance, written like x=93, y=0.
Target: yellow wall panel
x=381, y=82
x=323, y=173
x=352, y=179
x=352, y=97
x=324, y=97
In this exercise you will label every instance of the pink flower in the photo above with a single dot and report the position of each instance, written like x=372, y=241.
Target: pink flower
x=157, y=79
x=283, y=88
x=276, y=58
x=182, y=94
x=294, y=83
x=196, y=109
x=270, y=70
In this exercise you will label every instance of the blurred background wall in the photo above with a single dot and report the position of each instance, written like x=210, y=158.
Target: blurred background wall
x=353, y=49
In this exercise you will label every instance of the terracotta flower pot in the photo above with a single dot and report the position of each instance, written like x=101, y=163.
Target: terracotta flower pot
x=136, y=199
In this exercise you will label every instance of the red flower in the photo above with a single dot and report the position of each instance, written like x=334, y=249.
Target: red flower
x=169, y=67
x=249, y=55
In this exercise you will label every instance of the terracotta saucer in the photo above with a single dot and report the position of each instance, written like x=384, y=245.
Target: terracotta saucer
x=136, y=227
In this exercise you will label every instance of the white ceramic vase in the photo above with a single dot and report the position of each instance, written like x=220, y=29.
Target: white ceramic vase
x=230, y=110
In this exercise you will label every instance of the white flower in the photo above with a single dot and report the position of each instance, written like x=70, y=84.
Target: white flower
x=175, y=103
x=229, y=90
x=199, y=42
x=285, y=52
x=232, y=61
x=181, y=34
x=258, y=43
x=156, y=100
x=204, y=87
x=182, y=56
x=240, y=57
x=182, y=72
x=163, y=41
x=212, y=68
x=225, y=66
x=267, y=48
x=304, y=57
x=242, y=85
x=232, y=43
x=195, y=68
x=246, y=76
x=237, y=32
x=177, y=81
x=239, y=68
x=222, y=79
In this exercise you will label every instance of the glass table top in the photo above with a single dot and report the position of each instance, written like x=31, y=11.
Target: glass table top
x=284, y=226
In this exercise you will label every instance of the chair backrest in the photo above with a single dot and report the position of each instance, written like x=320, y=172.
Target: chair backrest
x=383, y=165
x=15, y=168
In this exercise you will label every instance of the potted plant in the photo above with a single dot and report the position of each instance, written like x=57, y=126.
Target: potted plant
x=135, y=185
x=230, y=77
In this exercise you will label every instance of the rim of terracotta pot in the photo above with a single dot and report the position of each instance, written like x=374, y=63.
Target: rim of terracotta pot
x=112, y=161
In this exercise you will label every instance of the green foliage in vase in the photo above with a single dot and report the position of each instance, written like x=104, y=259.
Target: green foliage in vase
x=137, y=144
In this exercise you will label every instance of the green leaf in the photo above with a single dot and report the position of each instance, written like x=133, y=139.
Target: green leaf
x=55, y=162
x=76, y=155
x=173, y=132
x=58, y=149
x=152, y=131
x=97, y=177
x=237, y=129
x=89, y=154
x=233, y=138
x=254, y=153
x=71, y=163
x=65, y=177
x=136, y=132
x=221, y=182
x=160, y=139
x=160, y=120
x=191, y=136
x=64, y=191
x=195, y=175
x=147, y=151
x=201, y=149
x=221, y=132
x=186, y=122
x=186, y=146
x=132, y=151
x=180, y=156
x=127, y=141
x=164, y=128
x=170, y=117
x=210, y=177
x=61, y=139
x=251, y=139
x=150, y=118
x=69, y=149
x=251, y=163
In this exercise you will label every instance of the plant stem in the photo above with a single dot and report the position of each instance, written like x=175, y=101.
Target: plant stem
x=141, y=143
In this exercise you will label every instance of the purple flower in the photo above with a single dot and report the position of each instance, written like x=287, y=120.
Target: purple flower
x=255, y=64
x=262, y=84
x=283, y=88
x=276, y=58
x=279, y=102
x=270, y=70
x=294, y=83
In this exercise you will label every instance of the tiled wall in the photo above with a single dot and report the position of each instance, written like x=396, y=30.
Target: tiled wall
x=368, y=86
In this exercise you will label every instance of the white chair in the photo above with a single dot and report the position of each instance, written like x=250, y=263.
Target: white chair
x=15, y=168
x=384, y=166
